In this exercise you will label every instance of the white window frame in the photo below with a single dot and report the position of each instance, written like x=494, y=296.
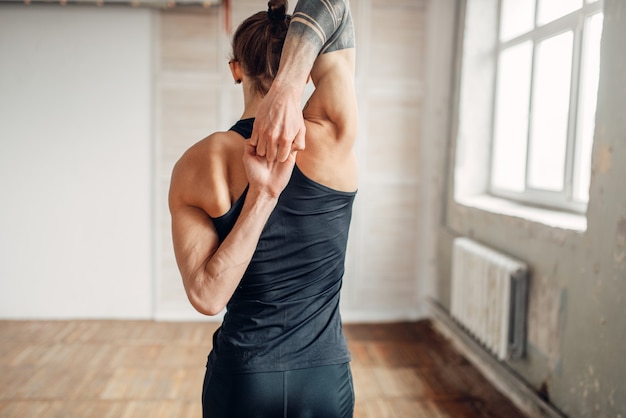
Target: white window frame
x=575, y=22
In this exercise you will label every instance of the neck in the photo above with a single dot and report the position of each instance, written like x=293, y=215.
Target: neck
x=251, y=102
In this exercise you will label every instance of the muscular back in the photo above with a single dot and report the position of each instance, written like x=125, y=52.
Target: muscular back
x=212, y=173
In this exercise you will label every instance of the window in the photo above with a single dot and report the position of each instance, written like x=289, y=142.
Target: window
x=546, y=82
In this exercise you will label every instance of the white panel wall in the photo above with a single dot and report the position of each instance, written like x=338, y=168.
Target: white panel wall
x=381, y=272
x=190, y=93
x=85, y=167
x=75, y=162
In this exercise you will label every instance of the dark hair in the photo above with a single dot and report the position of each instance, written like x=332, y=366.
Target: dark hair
x=258, y=43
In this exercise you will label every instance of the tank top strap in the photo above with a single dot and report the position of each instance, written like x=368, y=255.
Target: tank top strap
x=243, y=127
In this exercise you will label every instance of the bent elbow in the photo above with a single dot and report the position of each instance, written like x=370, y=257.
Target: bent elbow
x=206, y=307
x=211, y=310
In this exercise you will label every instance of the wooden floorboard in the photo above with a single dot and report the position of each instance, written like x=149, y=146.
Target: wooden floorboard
x=136, y=369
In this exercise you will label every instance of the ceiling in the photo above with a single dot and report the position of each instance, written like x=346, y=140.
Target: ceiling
x=131, y=3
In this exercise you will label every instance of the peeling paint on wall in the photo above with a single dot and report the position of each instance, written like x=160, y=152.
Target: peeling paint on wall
x=577, y=298
x=619, y=252
x=545, y=317
x=621, y=232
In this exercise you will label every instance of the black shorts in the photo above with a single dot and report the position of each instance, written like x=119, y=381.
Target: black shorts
x=321, y=392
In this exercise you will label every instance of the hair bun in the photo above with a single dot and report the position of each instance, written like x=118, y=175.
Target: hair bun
x=277, y=10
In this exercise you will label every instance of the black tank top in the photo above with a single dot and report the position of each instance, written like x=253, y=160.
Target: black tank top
x=285, y=313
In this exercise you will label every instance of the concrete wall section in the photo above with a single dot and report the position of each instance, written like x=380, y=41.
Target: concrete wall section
x=577, y=301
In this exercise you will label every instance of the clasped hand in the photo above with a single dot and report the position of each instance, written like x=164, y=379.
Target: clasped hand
x=279, y=127
x=265, y=176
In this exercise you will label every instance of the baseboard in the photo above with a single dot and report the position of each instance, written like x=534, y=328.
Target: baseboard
x=501, y=377
x=352, y=316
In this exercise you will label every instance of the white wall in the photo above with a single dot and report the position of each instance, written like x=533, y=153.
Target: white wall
x=75, y=162
x=84, y=167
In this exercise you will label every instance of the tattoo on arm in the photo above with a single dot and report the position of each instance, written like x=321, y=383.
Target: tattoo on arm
x=327, y=23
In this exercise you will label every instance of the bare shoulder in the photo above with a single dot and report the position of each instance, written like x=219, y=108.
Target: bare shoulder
x=200, y=157
x=199, y=177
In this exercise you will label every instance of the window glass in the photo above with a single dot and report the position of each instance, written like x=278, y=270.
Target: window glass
x=553, y=9
x=590, y=72
x=517, y=17
x=545, y=85
x=511, y=118
x=550, y=111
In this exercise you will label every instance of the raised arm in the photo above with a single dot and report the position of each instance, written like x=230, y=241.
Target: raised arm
x=331, y=118
x=317, y=26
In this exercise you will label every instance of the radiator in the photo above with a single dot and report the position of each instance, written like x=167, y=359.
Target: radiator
x=489, y=297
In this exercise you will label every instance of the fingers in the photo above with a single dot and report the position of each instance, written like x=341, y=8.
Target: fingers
x=287, y=146
x=298, y=142
x=262, y=141
x=249, y=149
x=283, y=145
x=258, y=141
x=281, y=151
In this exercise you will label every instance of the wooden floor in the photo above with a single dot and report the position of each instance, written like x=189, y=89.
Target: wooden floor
x=143, y=369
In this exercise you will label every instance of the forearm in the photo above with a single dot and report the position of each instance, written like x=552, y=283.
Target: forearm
x=213, y=284
x=317, y=26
